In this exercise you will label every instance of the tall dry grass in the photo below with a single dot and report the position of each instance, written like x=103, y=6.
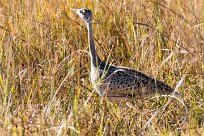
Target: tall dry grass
x=45, y=85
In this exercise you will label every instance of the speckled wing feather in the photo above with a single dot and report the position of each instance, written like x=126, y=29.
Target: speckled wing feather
x=124, y=81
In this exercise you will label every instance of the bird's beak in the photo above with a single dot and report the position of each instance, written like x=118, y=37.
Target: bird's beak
x=73, y=9
x=77, y=11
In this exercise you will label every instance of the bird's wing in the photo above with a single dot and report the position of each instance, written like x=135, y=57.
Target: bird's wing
x=140, y=80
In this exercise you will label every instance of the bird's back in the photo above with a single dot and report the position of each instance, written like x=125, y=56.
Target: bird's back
x=125, y=82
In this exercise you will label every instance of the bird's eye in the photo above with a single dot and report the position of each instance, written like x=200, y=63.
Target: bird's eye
x=82, y=12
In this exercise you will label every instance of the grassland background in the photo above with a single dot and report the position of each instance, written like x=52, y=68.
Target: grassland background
x=45, y=85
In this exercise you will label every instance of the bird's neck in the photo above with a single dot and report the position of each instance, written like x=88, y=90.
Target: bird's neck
x=95, y=60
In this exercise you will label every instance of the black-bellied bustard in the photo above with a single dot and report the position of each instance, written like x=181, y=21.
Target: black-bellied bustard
x=115, y=81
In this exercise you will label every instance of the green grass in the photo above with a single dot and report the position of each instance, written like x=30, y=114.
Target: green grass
x=45, y=86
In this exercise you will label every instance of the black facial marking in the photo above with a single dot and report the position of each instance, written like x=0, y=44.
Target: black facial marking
x=85, y=11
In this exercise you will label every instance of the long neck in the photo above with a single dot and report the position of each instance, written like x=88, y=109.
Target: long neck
x=95, y=60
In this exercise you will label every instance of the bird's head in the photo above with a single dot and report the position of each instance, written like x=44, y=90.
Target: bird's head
x=84, y=14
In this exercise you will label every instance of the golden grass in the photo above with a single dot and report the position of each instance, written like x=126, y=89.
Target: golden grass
x=45, y=85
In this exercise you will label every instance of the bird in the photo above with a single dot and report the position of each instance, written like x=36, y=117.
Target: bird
x=117, y=82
